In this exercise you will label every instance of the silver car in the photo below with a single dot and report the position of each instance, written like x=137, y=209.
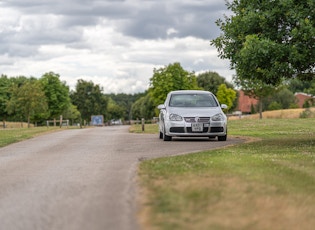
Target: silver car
x=192, y=113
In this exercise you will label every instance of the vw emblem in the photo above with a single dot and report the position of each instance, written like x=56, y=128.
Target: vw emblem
x=196, y=119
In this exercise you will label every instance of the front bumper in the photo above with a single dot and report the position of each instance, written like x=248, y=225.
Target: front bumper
x=184, y=129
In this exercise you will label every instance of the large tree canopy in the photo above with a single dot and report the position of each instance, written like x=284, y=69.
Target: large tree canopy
x=89, y=99
x=226, y=96
x=27, y=99
x=4, y=95
x=57, y=94
x=169, y=78
x=211, y=81
x=143, y=108
x=269, y=39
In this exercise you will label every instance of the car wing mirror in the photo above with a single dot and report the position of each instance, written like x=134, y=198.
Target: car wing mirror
x=224, y=106
x=162, y=106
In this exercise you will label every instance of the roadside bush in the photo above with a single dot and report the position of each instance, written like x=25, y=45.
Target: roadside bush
x=274, y=106
x=307, y=113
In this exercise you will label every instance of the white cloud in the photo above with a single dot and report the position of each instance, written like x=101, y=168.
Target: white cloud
x=171, y=31
x=116, y=44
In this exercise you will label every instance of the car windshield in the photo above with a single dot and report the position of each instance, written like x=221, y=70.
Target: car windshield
x=192, y=100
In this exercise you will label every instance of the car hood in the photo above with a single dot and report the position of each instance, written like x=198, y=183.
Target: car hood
x=193, y=112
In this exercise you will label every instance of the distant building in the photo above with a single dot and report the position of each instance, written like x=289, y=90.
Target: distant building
x=302, y=98
x=245, y=103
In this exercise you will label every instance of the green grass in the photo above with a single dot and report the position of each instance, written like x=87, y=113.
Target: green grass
x=9, y=136
x=265, y=184
x=148, y=128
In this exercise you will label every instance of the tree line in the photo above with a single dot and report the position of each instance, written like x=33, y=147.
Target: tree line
x=37, y=100
x=33, y=100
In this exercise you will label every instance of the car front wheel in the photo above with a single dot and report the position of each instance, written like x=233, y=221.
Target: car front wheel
x=222, y=138
x=166, y=137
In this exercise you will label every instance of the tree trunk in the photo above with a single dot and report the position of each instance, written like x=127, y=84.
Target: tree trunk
x=28, y=121
x=260, y=108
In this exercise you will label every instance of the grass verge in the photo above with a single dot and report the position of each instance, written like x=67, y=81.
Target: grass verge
x=9, y=136
x=268, y=184
x=148, y=128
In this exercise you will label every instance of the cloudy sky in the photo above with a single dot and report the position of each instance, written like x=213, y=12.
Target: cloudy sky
x=114, y=43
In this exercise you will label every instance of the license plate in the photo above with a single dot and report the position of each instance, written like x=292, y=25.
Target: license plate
x=197, y=127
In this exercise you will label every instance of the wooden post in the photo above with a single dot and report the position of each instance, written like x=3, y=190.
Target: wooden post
x=142, y=122
x=60, y=121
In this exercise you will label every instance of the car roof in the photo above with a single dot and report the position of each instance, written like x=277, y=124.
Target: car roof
x=190, y=92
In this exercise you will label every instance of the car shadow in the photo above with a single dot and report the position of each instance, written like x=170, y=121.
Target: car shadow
x=195, y=139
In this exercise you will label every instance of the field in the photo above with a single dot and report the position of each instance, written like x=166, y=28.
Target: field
x=287, y=113
x=15, y=125
x=265, y=183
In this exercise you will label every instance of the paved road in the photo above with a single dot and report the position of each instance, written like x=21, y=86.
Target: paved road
x=79, y=179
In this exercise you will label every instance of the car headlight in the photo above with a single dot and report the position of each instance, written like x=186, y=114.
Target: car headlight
x=218, y=117
x=175, y=117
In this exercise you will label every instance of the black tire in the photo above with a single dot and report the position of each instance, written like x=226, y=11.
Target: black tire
x=222, y=138
x=161, y=135
x=165, y=137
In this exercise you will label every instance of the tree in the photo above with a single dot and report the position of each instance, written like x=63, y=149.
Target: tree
x=211, y=81
x=311, y=90
x=169, y=78
x=57, y=94
x=125, y=101
x=27, y=99
x=274, y=106
x=143, y=108
x=72, y=113
x=269, y=40
x=114, y=110
x=89, y=99
x=4, y=97
x=226, y=95
x=296, y=85
x=281, y=99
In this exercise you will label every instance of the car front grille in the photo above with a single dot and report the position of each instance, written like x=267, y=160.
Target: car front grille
x=199, y=119
x=177, y=129
x=189, y=130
